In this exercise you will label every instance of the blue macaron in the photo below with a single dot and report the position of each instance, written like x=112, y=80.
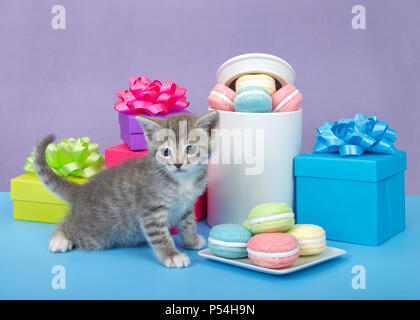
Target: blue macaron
x=253, y=99
x=229, y=240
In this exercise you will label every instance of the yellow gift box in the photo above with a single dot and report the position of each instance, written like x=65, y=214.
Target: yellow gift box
x=34, y=202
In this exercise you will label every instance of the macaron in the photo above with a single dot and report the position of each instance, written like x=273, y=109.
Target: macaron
x=273, y=250
x=271, y=217
x=311, y=238
x=286, y=99
x=229, y=240
x=256, y=80
x=253, y=99
x=221, y=98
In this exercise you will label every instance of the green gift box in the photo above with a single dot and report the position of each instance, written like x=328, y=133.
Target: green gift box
x=34, y=202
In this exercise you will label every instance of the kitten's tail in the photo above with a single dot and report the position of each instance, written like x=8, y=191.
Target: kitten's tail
x=63, y=188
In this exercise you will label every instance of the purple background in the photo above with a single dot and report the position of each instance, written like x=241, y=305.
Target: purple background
x=64, y=81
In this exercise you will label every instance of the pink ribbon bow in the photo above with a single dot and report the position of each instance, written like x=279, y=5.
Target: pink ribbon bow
x=145, y=96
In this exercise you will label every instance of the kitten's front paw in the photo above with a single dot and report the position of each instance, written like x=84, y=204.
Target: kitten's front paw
x=179, y=260
x=198, y=243
x=59, y=243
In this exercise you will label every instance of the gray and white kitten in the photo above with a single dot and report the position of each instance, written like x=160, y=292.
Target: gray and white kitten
x=140, y=199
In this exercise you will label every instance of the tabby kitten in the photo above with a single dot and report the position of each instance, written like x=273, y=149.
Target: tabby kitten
x=140, y=199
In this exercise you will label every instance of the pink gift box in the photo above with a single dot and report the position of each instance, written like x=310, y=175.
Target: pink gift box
x=117, y=154
x=120, y=153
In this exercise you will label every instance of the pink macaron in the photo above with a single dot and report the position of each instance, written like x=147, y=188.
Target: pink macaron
x=221, y=98
x=273, y=250
x=286, y=99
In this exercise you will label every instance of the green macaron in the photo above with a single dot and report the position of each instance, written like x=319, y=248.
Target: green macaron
x=271, y=217
x=246, y=225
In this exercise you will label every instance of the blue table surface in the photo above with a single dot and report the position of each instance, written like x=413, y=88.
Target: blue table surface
x=392, y=269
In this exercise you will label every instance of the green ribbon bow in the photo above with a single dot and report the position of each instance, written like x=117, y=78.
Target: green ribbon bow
x=71, y=157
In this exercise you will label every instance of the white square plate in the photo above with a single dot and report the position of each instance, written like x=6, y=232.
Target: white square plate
x=301, y=263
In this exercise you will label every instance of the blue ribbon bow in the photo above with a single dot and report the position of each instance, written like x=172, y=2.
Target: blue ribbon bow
x=352, y=137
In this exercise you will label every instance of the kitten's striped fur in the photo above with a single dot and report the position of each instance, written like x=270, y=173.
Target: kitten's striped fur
x=134, y=202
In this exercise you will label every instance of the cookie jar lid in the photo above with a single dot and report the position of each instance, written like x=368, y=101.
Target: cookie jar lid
x=233, y=68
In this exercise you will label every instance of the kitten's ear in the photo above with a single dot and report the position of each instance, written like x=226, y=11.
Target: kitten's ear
x=150, y=126
x=208, y=120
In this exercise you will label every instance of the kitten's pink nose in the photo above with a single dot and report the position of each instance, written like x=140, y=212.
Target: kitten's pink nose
x=178, y=165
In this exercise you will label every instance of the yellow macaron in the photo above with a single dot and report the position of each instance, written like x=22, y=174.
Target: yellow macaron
x=311, y=238
x=256, y=80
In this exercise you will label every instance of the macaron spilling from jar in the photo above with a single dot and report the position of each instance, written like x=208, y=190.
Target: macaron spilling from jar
x=269, y=237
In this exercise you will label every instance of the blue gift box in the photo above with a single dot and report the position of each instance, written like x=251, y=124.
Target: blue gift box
x=355, y=199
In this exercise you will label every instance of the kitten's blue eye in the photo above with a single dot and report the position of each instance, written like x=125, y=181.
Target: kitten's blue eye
x=190, y=149
x=166, y=152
